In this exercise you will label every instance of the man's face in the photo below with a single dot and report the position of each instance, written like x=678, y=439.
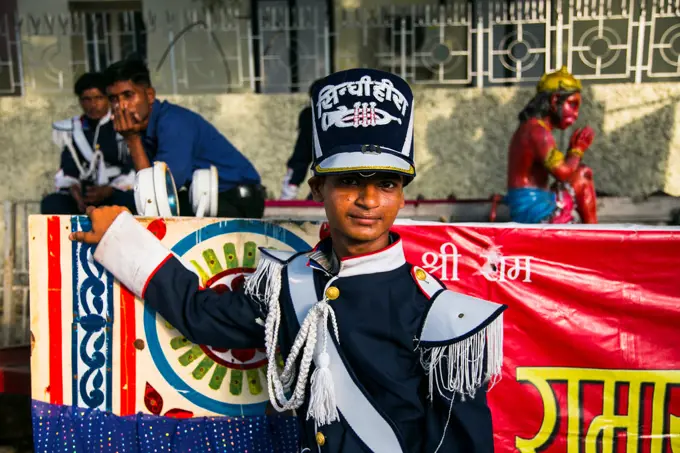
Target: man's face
x=94, y=103
x=360, y=209
x=567, y=113
x=133, y=98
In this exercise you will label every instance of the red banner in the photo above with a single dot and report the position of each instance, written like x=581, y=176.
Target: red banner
x=592, y=333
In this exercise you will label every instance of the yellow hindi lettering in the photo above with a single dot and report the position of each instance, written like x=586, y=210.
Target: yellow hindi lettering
x=675, y=434
x=603, y=426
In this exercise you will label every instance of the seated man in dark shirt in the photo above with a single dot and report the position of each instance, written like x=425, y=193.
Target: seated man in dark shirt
x=185, y=141
x=95, y=167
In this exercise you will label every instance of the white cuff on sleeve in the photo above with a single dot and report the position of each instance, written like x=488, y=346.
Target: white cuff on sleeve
x=131, y=253
x=289, y=192
x=62, y=181
x=124, y=182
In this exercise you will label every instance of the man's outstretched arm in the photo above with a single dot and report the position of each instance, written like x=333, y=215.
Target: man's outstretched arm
x=147, y=268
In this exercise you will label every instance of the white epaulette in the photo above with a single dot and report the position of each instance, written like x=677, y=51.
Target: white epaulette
x=460, y=334
x=63, y=125
x=62, y=132
x=281, y=256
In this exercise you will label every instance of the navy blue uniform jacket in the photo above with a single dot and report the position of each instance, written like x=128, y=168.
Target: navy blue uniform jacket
x=380, y=313
x=85, y=137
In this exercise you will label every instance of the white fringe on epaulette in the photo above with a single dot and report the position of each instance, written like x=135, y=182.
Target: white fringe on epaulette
x=268, y=272
x=457, y=369
x=322, y=407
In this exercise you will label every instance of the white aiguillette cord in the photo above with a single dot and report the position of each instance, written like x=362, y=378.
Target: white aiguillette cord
x=322, y=407
x=98, y=155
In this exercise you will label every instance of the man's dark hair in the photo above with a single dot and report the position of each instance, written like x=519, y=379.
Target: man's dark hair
x=539, y=106
x=134, y=71
x=88, y=81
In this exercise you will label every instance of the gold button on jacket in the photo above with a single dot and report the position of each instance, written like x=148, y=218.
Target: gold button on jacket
x=332, y=293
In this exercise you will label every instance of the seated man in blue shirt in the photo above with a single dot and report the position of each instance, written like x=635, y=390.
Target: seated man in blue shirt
x=185, y=141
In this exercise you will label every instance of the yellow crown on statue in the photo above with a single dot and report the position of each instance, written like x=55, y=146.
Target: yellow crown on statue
x=561, y=80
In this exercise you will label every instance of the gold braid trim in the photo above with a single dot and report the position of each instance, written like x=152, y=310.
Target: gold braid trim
x=554, y=159
x=357, y=169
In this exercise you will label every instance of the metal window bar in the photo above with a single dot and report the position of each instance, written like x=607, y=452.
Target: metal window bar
x=8, y=35
x=458, y=43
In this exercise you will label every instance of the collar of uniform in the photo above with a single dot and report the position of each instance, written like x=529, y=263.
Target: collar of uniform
x=391, y=257
x=88, y=122
x=106, y=118
x=323, y=258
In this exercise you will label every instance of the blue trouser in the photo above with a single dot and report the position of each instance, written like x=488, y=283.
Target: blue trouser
x=530, y=205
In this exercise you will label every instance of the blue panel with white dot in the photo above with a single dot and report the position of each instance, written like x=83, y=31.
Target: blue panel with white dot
x=64, y=429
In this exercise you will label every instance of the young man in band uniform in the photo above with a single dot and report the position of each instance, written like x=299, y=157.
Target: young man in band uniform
x=379, y=356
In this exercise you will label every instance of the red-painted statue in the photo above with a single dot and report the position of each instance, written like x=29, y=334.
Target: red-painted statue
x=534, y=157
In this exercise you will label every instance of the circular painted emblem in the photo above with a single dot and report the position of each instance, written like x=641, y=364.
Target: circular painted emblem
x=221, y=380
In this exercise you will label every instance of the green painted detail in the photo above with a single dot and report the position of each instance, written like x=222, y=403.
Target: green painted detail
x=202, y=369
x=254, y=384
x=210, y=258
x=230, y=255
x=218, y=377
x=179, y=342
x=249, y=253
x=191, y=355
x=236, y=382
x=201, y=272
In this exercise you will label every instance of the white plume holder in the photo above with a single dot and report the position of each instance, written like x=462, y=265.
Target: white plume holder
x=204, y=191
x=155, y=192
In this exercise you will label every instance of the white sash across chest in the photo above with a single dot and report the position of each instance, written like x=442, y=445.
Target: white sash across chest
x=356, y=408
